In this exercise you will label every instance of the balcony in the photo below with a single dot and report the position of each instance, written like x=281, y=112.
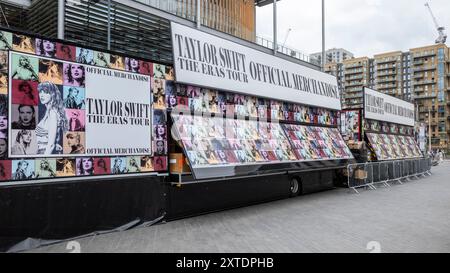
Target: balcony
x=387, y=73
x=357, y=77
x=354, y=84
x=351, y=96
x=386, y=61
x=420, y=89
x=424, y=55
x=419, y=62
x=349, y=66
x=422, y=97
x=352, y=90
x=386, y=68
x=424, y=82
x=387, y=80
x=387, y=86
x=354, y=72
x=426, y=110
x=419, y=76
x=425, y=68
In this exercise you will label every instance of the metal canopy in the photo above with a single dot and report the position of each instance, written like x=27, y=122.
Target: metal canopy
x=262, y=3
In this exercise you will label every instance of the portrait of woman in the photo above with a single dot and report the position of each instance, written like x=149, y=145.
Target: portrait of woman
x=3, y=148
x=4, y=61
x=133, y=166
x=46, y=48
x=160, y=147
x=171, y=94
x=22, y=143
x=3, y=123
x=118, y=165
x=24, y=170
x=23, y=43
x=25, y=92
x=255, y=154
x=159, y=99
x=53, y=124
x=76, y=120
x=3, y=83
x=146, y=164
x=170, y=73
x=146, y=68
x=5, y=40
x=74, y=75
x=160, y=131
x=192, y=92
x=24, y=117
x=66, y=52
x=45, y=168
x=5, y=170
x=159, y=117
x=65, y=167
x=85, y=166
x=132, y=65
x=159, y=71
x=85, y=56
x=50, y=71
x=74, y=97
x=101, y=59
x=74, y=144
x=117, y=62
x=212, y=104
x=25, y=69
x=101, y=166
x=160, y=163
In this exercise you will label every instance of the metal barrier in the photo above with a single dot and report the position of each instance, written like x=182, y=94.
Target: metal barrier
x=371, y=174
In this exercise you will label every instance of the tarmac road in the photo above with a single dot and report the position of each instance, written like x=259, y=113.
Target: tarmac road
x=413, y=217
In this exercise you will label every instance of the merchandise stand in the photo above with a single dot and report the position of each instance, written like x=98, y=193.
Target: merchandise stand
x=98, y=141
x=386, y=136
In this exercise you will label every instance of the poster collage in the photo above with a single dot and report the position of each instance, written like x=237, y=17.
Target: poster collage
x=200, y=100
x=390, y=147
x=350, y=125
x=221, y=141
x=388, y=128
x=317, y=143
x=47, y=114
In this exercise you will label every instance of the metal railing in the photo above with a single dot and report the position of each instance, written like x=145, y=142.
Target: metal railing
x=371, y=174
x=287, y=51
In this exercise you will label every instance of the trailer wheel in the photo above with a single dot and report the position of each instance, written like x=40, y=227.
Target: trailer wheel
x=295, y=187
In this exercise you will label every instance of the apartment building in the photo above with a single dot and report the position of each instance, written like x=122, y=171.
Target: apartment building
x=421, y=75
x=431, y=88
x=334, y=55
x=355, y=75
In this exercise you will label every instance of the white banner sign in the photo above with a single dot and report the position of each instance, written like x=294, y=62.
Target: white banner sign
x=207, y=60
x=118, y=112
x=382, y=107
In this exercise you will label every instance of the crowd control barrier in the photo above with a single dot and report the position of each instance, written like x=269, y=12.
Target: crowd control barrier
x=373, y=174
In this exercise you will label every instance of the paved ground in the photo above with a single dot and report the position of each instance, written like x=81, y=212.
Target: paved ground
x=414, y=217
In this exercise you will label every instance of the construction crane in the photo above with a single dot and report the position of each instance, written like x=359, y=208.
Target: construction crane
x=441, y=30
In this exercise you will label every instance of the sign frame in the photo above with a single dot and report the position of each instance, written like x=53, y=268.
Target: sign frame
x=388, y=117
x=228, y=59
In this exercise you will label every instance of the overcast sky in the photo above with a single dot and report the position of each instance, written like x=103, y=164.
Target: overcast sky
x=364, y=27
